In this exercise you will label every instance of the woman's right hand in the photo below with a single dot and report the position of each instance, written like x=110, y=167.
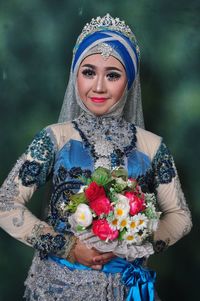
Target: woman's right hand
x=90, y=257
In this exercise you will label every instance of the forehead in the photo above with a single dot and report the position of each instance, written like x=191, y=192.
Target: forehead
x=98, y=61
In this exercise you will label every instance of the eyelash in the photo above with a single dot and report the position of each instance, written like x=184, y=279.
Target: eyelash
x=113, y=76
x=90, y=73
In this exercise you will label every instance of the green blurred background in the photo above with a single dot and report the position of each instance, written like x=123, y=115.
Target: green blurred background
x=36, y=41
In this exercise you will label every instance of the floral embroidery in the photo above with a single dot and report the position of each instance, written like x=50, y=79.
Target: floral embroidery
x=147, y=182
x=163, y=166
x=41, y=147
x=66, y=183
x=45, y=243
x=75, y=172
x=30, y=173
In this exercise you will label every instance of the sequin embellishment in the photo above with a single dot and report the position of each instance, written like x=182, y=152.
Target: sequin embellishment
x=37, y=171
x=109, y=139
x=163, y=165
x=45, y=243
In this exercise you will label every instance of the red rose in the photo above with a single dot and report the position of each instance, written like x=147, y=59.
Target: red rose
x=101, y=205
x=94, y=191
x=102, y=229
x=136, y=204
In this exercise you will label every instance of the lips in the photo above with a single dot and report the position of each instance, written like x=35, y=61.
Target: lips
x=98, y=99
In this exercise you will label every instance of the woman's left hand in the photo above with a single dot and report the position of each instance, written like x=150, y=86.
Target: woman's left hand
x=90, y=257
x=103, y=258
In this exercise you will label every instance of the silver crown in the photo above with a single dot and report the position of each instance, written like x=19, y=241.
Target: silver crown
x=109, y=23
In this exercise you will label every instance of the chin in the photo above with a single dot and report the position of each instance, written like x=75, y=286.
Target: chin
x=97, y=111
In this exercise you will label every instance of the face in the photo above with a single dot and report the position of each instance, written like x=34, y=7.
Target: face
x=101, y=83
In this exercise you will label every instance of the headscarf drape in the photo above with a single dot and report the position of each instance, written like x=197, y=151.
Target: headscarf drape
x=127, y=53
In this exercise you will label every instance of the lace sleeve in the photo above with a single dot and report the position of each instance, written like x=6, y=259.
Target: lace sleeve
x=31, y=171
x=175, y=221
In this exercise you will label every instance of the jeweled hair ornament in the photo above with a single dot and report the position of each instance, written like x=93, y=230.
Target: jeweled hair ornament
x=107, y=22
x=117, y=35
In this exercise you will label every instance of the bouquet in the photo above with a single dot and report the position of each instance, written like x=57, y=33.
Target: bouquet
x=113, y=209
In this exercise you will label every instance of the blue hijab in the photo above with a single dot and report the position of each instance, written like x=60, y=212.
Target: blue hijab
x=120, y=44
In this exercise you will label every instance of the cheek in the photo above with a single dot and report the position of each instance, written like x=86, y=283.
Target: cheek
x=119, y=90
x=81, y=86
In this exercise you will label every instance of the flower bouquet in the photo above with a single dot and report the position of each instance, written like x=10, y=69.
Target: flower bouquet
x=111, y=213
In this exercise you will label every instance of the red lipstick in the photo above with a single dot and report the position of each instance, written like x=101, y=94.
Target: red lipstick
x=98, y=99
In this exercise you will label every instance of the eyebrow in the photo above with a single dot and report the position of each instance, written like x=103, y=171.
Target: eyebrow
x=107, y=68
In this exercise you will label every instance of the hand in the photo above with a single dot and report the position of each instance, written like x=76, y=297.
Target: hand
x=90, y=257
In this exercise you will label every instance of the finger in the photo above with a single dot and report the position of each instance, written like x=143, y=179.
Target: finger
x=103, y=257
x=96, y=267
x=108, y=256
x=97, y=259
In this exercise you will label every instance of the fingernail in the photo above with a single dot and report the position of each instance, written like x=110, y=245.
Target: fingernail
x=99, y=267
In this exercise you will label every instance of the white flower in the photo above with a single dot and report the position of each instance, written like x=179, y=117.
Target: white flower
x=130, y=238
x=142, y=221
x=122, y=223
x=120, y=181
x=122, y=207
x=82, y=188
x=132, y=225
x=113, y=223
x=141, y=235
x=83, y=215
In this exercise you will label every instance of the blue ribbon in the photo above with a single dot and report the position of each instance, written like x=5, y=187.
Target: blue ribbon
x=138, y=279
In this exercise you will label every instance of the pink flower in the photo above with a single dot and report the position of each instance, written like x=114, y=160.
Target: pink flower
x=101, y=205
x=102, y=229
x=94, y=191
x=136, y=204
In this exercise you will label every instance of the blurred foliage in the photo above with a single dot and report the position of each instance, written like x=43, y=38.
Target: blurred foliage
x=36, y=42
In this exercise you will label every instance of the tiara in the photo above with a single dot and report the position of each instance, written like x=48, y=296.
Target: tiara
x=109, y=23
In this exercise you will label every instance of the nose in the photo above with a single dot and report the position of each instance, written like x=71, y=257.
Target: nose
x=99, y=84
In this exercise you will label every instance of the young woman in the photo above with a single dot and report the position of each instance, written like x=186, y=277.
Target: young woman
x=101, y=124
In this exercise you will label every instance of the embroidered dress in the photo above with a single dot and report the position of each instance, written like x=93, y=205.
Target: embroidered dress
x=63, y=152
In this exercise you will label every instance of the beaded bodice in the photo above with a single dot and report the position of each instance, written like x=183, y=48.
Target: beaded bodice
x=109, y=139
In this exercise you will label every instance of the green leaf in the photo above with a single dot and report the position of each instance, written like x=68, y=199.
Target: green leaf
x=80, y=228
x=101, y=176
x=75, y=200
x=120, y=173
x=121, y=234
x=150, y=213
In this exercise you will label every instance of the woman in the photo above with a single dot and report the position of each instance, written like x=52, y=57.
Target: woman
x=100, y=125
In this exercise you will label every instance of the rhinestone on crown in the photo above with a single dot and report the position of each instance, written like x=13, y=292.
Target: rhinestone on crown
x=109, y=23
x=105, y=50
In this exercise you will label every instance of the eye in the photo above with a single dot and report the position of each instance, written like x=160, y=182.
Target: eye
x=88, y=72
x=112, y=76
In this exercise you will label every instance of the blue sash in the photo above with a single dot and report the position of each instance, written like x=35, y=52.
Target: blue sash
x=138, y=279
